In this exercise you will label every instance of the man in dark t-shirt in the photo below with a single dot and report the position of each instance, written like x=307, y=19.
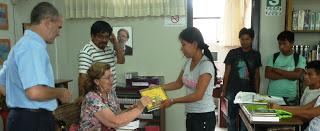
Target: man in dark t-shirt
x=241, y=74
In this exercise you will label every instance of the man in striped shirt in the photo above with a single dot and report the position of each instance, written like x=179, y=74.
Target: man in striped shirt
x=98, y=50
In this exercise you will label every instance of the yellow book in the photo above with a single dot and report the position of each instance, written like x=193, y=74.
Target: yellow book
x=157, y=94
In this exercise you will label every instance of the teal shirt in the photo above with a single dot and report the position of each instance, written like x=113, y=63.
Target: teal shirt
x=284, y=87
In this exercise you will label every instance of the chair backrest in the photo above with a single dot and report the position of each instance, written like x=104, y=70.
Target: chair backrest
x=69, y=113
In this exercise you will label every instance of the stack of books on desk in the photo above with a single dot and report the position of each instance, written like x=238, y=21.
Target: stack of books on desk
x=259, y=113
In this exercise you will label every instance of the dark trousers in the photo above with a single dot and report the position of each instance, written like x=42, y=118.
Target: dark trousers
x=30, y=120
x=233, y=117
x=201, y=121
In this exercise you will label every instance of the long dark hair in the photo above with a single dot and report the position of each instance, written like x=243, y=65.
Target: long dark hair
x=192, y=34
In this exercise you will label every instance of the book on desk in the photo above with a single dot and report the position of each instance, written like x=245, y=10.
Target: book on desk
x=259, y=113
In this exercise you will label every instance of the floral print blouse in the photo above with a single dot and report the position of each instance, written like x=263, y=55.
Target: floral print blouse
x=93, y=103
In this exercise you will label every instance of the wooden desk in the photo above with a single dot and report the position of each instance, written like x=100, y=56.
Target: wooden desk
x=260, y=126
x=62, y=83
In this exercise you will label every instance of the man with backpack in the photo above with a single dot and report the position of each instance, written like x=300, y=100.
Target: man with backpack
x=284, y=69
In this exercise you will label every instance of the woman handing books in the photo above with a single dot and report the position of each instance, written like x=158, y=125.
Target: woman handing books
x=199, y=77
x=100, y=110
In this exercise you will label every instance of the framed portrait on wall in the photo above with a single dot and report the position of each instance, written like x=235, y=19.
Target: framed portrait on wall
x=4, y=49
x=25, y=26
x=3, y=16
x=124, y=36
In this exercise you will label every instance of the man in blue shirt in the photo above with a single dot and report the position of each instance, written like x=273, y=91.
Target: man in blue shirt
x=27, y=74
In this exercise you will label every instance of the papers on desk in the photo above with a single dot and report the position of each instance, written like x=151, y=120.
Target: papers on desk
x=253, y=98
x=129, y=127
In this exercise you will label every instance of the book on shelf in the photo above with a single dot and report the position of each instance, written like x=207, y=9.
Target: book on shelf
x=305, y=19
x=259, y=113
x=306, y=24
x=157, y=94
x=301, y=14
x=317, y=19
x=312, y=20
x=295, y=20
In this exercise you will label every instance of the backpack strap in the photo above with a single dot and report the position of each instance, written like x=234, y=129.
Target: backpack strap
x=275, y=56
x=295, y=58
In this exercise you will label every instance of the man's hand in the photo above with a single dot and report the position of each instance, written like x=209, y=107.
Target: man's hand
x=114, y=40
x=65, y=95
x=273, y=106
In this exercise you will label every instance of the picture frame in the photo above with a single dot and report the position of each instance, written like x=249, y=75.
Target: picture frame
x=5, y=47
x=127, y=44
x=3, y=16
x=25, y=26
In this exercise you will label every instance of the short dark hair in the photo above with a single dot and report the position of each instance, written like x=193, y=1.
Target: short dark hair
x=122, y=29
x=101, y=27
x=245, y=31
x=286, y=35
x=43, y=11
x=314, y=65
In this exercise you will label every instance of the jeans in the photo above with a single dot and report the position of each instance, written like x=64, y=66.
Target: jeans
x=233, y=116
x=25, y=120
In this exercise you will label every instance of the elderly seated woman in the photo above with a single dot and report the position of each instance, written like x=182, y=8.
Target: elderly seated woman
x=100, y=110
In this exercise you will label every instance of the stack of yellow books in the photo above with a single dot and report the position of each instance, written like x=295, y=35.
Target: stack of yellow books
x=157, y=94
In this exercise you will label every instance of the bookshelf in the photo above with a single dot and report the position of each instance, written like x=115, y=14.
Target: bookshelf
x=303, y=18
x=292, y=13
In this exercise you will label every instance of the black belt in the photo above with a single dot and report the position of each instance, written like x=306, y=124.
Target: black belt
x=30, y=110
x=204, y=113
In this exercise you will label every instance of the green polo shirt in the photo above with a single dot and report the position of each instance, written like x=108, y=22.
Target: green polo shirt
x=284, y=87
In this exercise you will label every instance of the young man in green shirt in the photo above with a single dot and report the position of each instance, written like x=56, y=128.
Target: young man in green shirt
x=285, y=68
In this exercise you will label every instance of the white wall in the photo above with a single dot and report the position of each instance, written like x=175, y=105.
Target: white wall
x=270, y=27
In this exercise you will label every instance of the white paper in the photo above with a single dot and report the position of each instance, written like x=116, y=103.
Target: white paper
x=253, y=98
x=131, y=126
